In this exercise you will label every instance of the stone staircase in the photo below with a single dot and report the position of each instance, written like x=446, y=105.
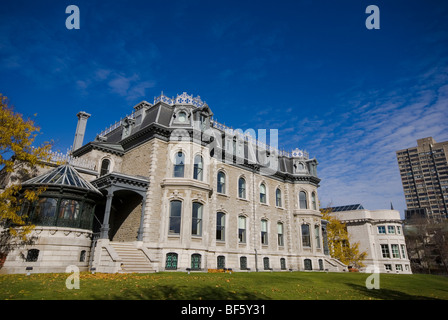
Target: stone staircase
x=133, y=259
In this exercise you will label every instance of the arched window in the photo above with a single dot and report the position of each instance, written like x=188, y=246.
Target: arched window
x=266, y=263
x=278, y=197
x=262, y=193
x=243, y=263
x=264, y=232
x=220, y=226
x=171, y=261
x=313, y=201
x=280, y=241
x=221, y=260
x=32, y=255
x=182, y=116
x=198, y=168
x=175, y=216
x=306, y=241
x=242, y=229
x=283, y=263
x=242, y=188
x=221, y=182
x=308, y=264
x=196, y=223
x=82, y=256
x=195, y=261
x=317, y=235
x=179, y=165
x=105, y=165
x=302, y=200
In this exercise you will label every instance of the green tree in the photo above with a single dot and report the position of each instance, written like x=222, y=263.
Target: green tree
x=18, y=160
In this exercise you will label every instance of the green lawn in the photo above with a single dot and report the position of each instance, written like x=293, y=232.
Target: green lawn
x=235, y=286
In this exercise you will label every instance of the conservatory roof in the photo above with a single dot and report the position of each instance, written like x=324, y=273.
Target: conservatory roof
x=346, y=208
x=64, y=175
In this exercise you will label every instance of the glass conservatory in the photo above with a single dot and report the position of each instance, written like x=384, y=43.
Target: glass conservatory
x=68, y=201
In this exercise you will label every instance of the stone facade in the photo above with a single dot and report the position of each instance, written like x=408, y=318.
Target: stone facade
x=55, y=249
x=183, y=213
x=380, y=235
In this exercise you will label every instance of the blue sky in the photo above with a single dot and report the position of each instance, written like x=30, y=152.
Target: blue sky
x=311, y=69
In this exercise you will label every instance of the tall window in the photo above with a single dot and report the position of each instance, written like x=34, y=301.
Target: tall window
x=264, y=232
x=243, y=263
x=221, y=260
x=175, y=216
x=313, y=201
x=220, y=226
x=403, y=251
x=266, y=263
x=306, y=241
x=385, y=251
x=302, y=200
x=179, y=165
x=68, y=212
x=262, y=193
x=195, y=261
x=242, y=188
x=242, y=229
x=171, y=261
x=278, y=197
x=280, y=234
x=283, y=263
x=308, y=264
x=196, y=224
x=198, y=168
x=395, y=251
x=317, y=235
x=45, y=213
x=105, y=164
x=221, y=182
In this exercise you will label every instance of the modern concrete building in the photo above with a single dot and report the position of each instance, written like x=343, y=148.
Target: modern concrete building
x=174, y=189
x=380, y=235
x=424, y=175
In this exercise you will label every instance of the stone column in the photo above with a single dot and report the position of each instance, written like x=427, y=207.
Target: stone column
x=142, y=218
x=324, y=237
x=104, y=231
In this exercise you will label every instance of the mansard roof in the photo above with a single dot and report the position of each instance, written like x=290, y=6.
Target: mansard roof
x=162, y=117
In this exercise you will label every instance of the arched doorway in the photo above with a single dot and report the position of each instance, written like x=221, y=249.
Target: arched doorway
x=122, y=218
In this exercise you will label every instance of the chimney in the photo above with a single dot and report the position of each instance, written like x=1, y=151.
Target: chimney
x=80, y=129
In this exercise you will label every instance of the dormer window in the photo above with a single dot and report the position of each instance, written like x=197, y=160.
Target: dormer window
x=182, y=116
x=202, y=119
x=105, y=166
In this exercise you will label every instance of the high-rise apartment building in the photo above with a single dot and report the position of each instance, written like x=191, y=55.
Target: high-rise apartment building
x=424, y=174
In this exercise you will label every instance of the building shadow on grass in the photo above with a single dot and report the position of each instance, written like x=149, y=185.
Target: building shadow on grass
x=167, y=292
x=386, y=294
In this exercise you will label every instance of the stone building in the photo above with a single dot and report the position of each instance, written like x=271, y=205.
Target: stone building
x=180, y=191
x=380, y=234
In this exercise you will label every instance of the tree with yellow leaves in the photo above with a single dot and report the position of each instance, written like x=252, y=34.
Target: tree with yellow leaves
x=18, y=159
x=339, y=242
